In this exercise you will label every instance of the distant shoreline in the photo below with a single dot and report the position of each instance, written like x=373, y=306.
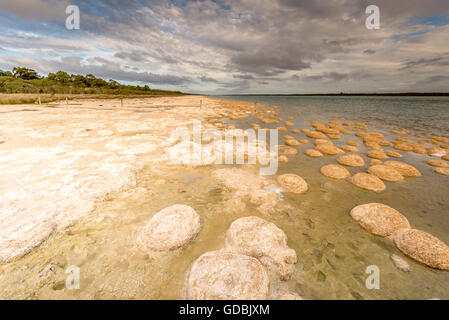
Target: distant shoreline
x=406, y=94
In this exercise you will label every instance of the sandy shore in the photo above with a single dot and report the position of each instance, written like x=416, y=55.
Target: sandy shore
x=57, y=160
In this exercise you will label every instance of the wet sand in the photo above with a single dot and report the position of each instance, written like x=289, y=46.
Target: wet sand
x=99, y=199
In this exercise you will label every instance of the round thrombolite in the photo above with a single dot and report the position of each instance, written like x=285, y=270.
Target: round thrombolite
x=423, y=247
x=352, y=143
x=226, y=275
x=374, y=162
x=315, y=135
x=313, y=153
x=435, y=151
x=170, y=228
x=379, y=219
x=351, y=160
x=378, y=154
x=292, y=183
x=393, y=154
x=443, y=171
x=437, y=163
x=385, y=173
x=263, y=240
x=403, y=147
x=287, y=150
x=348, y=148
x=283, y=159
x=403, y=168
x=328, y=149
x=368, y=181
x=292, y=142
x=335, y=172
x=446, y=157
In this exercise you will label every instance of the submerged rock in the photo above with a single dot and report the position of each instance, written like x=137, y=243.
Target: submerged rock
x=335, y=172
x=443, y=171
x=282, y=159
x=423, y=247
x=240, y=180
x=263, y=240
x=400, y=263
x=437, y=163
x=170, y=228
x=351, y=160
x=379, y=219
x=224, y=275
x=386, y=173
x=292, y=183
x=403, y=168
x=368, y=181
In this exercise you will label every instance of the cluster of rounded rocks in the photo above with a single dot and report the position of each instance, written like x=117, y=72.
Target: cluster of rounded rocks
x=254, y=253
x=384, y=221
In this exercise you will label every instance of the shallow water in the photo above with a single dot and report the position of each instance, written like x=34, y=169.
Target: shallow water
x=333, y=251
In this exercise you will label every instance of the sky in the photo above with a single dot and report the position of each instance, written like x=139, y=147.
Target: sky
x=235, y=46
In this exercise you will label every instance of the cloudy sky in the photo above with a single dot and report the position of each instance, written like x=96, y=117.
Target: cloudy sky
x=235, y=46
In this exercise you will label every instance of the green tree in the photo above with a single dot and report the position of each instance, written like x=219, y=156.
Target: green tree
x=24, y=73
x=62, y=76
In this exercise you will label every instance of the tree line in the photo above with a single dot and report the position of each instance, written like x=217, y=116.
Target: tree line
x=26, y=80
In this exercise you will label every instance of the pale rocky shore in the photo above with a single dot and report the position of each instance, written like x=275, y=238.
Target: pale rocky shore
x=57, y=160
x=92, y=184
